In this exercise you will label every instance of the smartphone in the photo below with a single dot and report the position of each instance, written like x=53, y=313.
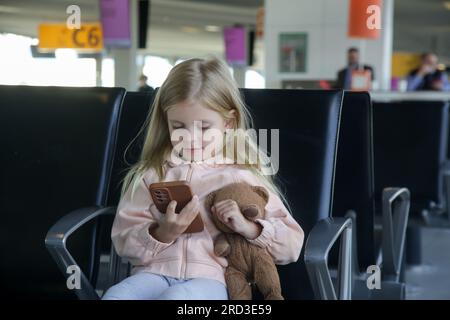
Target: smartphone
x=180, y=191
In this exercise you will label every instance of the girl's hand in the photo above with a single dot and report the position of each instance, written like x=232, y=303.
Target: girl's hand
x=172, y=224
x=229, y=213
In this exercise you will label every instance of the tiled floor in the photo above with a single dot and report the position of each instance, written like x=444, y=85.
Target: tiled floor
x=431, y=280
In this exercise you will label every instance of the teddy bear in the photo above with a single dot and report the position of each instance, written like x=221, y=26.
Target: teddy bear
x=247, y=263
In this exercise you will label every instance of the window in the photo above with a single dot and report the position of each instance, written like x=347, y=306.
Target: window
x=254, y=79
x=156, y=69
x=20, y=68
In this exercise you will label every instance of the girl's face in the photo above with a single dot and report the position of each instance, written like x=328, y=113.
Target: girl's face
x=194, y=122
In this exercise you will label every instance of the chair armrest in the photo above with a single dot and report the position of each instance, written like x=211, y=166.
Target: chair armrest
x=56, y=238
x=318, y=245
x=446, y=176
x=438, y=214
x=394, y=223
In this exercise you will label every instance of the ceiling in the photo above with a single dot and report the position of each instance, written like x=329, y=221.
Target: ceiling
x=422, y=25
x=177, y=27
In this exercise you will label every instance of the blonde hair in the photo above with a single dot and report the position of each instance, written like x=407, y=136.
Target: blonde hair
x=209, y=82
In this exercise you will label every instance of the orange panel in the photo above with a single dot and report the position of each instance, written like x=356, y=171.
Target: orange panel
x=363, y=19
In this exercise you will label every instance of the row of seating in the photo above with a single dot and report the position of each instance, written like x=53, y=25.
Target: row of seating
x=57, y=155
x=412, y=151
x=72, y=146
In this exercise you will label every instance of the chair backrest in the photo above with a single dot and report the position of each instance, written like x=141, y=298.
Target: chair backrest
x=136, y=107
x=354, y=183
x=57, y=146
x=308, y=123
x=410, y=147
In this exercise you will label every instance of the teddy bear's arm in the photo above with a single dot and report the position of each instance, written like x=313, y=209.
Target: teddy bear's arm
x=222, y=247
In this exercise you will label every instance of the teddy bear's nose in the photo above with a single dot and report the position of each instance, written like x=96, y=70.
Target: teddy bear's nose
x=250, y=211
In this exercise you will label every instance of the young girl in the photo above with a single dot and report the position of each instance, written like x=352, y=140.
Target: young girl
x=198, y=95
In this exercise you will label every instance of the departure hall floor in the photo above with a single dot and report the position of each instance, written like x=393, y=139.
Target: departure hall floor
x=431, y=280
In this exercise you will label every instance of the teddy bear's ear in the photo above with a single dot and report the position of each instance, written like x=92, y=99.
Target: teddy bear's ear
x=262, y=192
x=209, y=200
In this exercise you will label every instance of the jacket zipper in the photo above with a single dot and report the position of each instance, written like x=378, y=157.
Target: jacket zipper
x=189, y=173
x=185, y=241
x=184, y=265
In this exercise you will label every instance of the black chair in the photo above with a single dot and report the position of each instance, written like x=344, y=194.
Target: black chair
x=136, y=107
x=410, y=141
x=308, y=123
x=57, y=146
x=135, y=110
x=355, y=197
x=354, y=183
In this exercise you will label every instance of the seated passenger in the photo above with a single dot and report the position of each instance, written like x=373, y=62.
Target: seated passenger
x=428, y=76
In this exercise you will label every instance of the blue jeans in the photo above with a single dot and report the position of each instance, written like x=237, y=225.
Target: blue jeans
x=149, y=286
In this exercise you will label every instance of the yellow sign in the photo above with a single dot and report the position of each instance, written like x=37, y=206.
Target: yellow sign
x=55, y=36
x=403, y=63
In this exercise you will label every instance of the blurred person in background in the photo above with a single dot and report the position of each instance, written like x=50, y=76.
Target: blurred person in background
x=143, y=86
x=428, y=76
x=344, y=76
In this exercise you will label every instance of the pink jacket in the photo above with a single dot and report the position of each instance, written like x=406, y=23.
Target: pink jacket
x=192, y=255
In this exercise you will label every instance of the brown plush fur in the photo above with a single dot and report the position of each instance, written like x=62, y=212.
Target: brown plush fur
x=246, y=262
